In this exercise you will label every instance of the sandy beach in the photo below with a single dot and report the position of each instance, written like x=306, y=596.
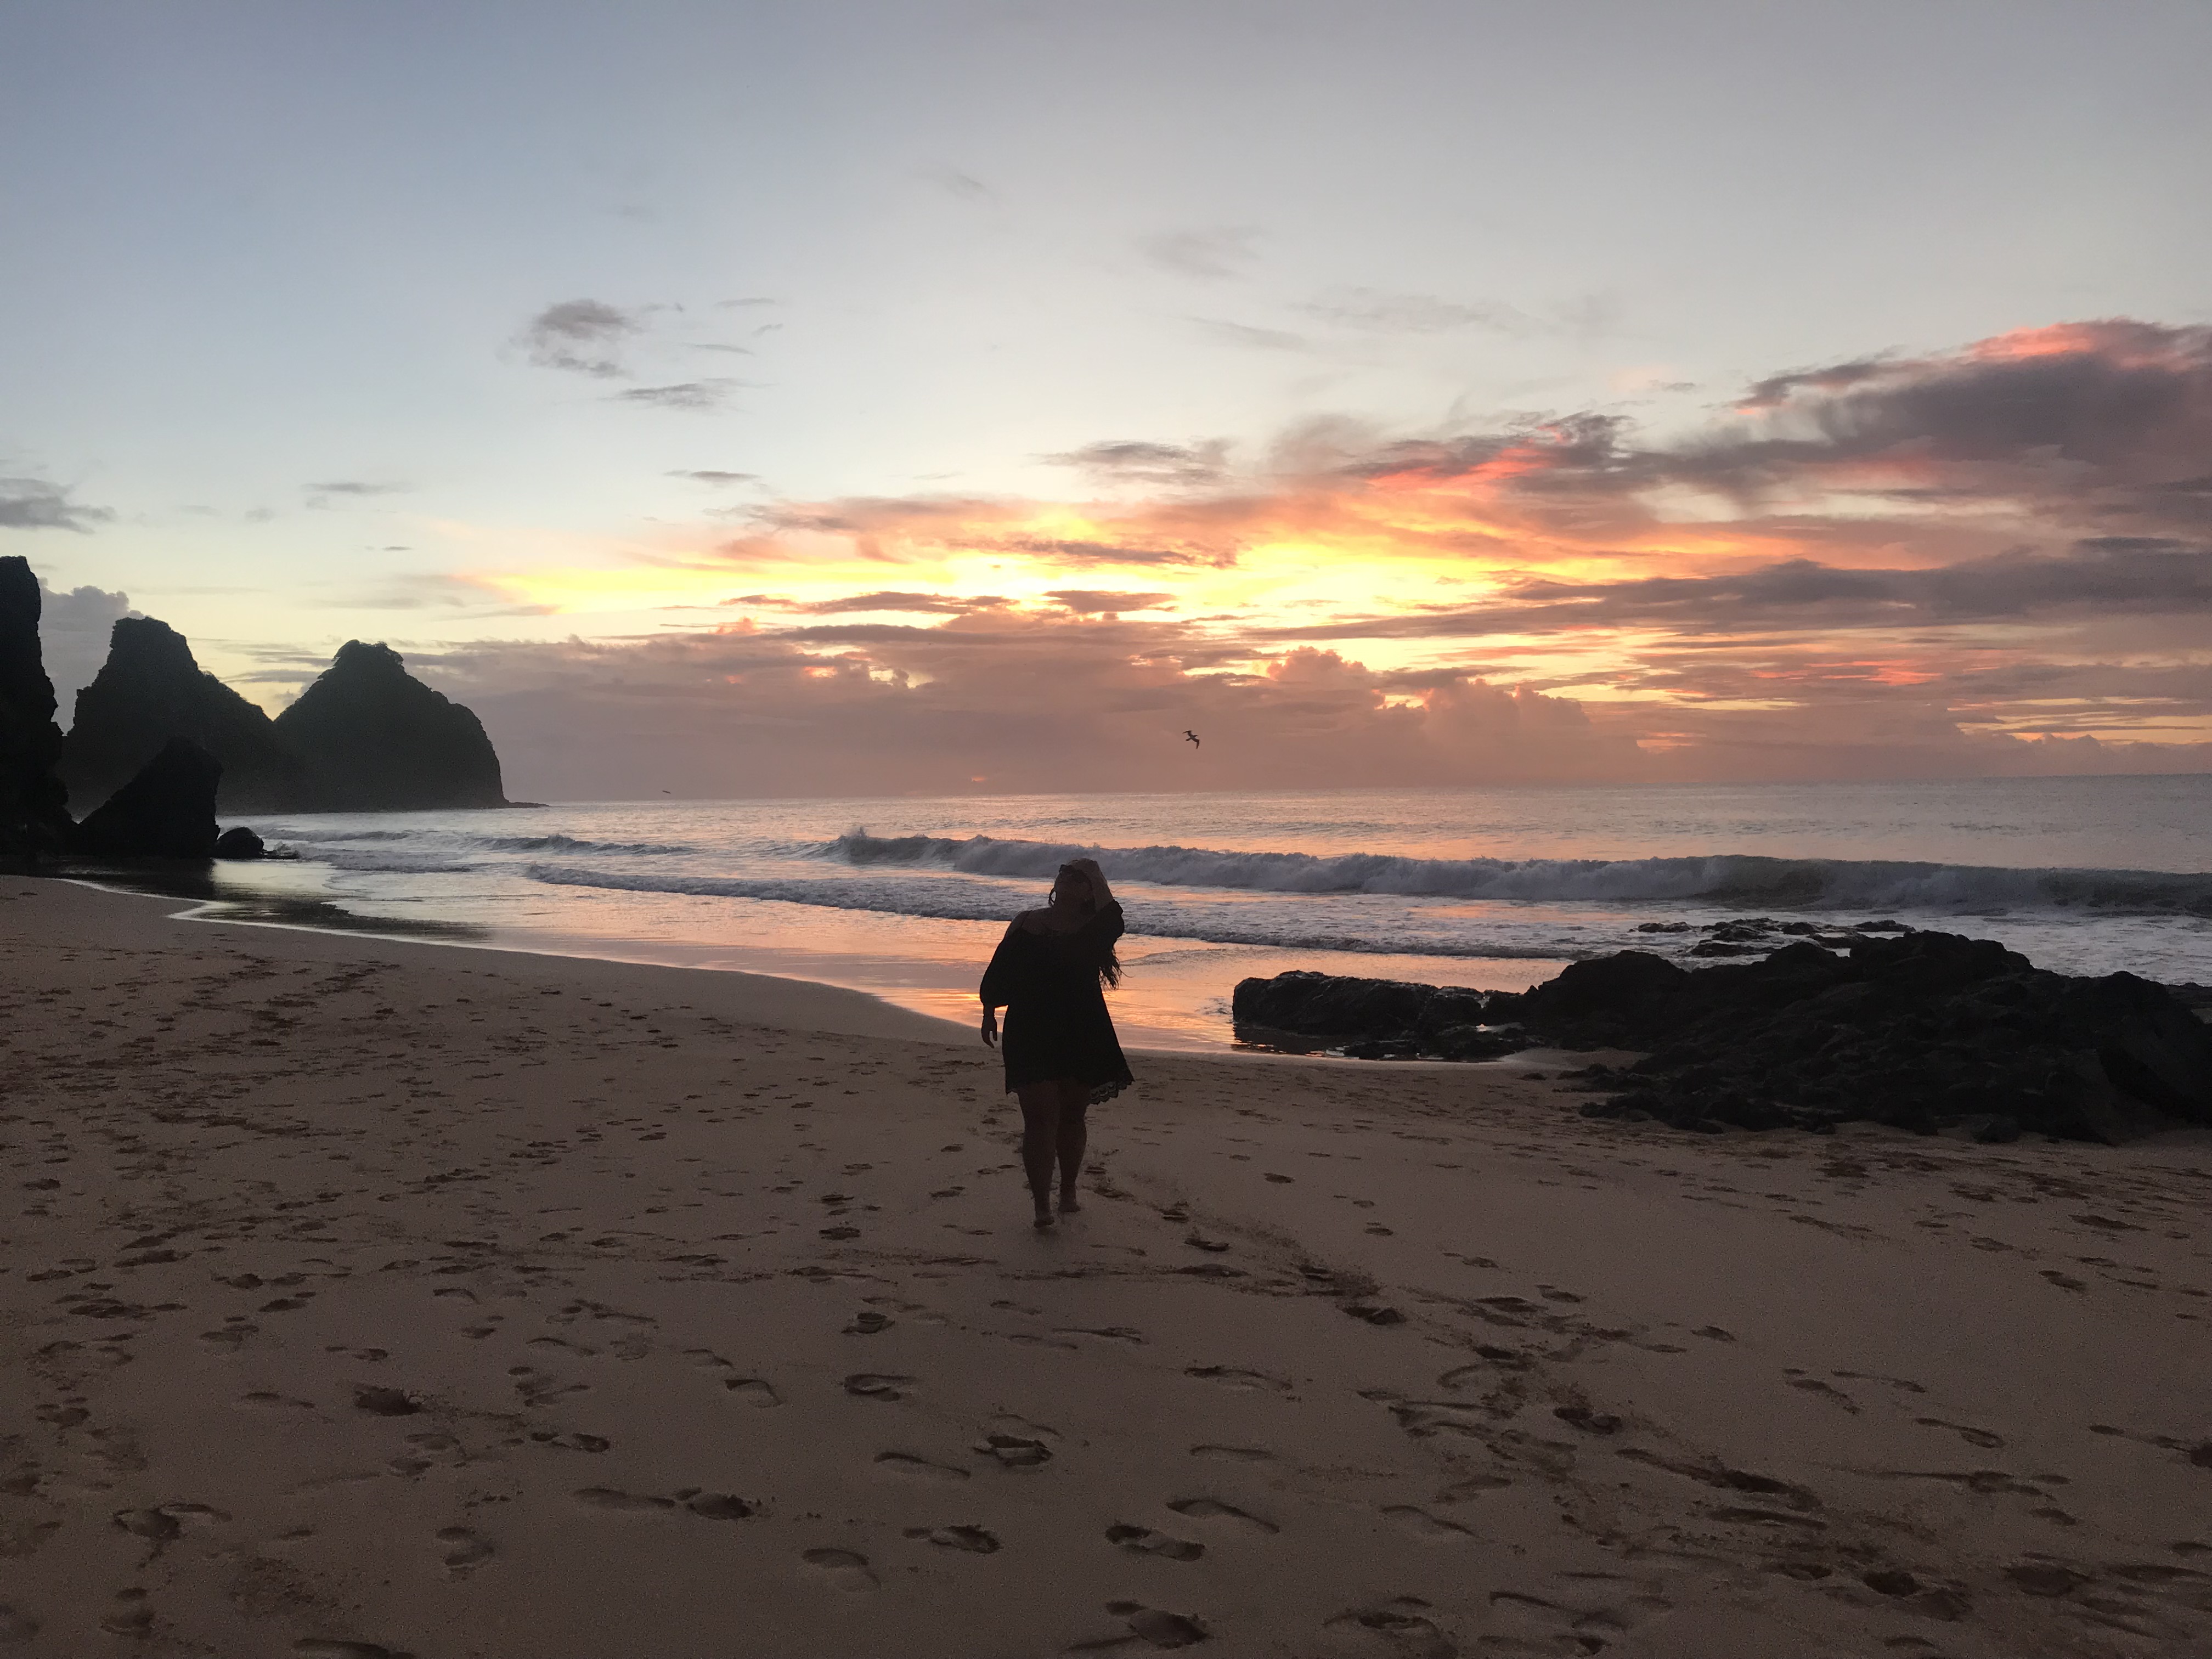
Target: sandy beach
x=365, y=1298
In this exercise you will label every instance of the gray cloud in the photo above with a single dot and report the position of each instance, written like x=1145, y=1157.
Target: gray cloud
x=584, y=337
x=684, y=394
x=1257, y=339
x=1128, y=461
x=319, y=496
x=74, y=626
x=954, y=182
x=710, y=476
x=2115, y=576
x=1086, y=601
x=34, y=504
x=1210, y=255
x=1384, y=312
x=915, y=604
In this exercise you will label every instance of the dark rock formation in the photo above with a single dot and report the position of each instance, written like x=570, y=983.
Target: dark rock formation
x=149, y=691
x=239, y=842
x=34, y=817
x=1925, y=1031
x=167, y=811
x=1370, y=1019
x=376, y=740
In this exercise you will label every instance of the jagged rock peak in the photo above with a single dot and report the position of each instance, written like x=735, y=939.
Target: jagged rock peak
x=33, y=816
x=378, y=739
x=151, y=690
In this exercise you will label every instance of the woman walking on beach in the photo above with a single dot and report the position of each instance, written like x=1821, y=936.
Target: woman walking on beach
x=1050, y=974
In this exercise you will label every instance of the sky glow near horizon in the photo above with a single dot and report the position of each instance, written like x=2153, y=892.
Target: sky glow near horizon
x=871, y=397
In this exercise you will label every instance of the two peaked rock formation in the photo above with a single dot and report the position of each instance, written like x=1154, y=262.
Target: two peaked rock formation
x=366, y=737
x=158, y=744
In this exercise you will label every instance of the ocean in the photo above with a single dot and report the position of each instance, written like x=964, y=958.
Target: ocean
x=1493, y=888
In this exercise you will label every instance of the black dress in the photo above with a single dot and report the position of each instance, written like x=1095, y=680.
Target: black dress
x=1057, y=1025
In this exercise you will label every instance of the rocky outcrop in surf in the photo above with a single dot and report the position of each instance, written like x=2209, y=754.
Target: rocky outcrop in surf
x=1927, y=1031
x=166, y=811
x=376, y=740
x=33, y=816
x=1373, y=1018
x=150, y=691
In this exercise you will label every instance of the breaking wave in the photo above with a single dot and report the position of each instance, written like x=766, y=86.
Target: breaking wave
x=959, y=901
x=1729, y=879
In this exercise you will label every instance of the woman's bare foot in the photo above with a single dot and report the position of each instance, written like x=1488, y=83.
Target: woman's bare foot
x=1044, y=1219
x=1068, y=1203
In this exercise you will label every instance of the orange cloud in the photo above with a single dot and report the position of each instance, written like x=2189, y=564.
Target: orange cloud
x=1848, y=565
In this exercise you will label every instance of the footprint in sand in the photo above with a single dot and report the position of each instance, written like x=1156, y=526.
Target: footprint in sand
x=1015, y=1451
x=1227, y=1514
x=1402, y=1627
x=976, y=1540
x=877, y=1385
x=1235, y=1376
x=1972, y=1436
x=919, y=1469
x=384, y=1402
x=1425, y=1527
x=320, y=1647
x=1162, y=1630
x=606, y=1498
x=753, y=1390
x=1235, y=1453
x=464, y=1551
x=16, y=1626
x=720, y=1506
x=1143, y=1541
x=1588, y=1421
x=845, y=1570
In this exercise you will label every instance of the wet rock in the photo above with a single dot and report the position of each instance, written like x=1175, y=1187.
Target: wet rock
x=1923, y=1031
x=239, y=842
x=1373, y=1018
x=165, y=811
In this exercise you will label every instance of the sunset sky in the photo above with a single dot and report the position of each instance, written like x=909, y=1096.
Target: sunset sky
x=874, y=398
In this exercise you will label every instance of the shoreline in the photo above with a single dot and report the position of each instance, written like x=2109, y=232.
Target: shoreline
x=519, y=1305
x=220, y=910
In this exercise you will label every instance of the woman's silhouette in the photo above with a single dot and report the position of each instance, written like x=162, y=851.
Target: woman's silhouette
x=1049, y=974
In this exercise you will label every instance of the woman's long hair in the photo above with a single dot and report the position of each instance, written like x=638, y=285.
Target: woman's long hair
x=1110, y=964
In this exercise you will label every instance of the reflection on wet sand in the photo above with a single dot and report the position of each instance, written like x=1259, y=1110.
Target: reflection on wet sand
x=219, y=899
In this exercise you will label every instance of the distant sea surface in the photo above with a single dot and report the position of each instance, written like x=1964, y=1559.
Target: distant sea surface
x=1491, y=887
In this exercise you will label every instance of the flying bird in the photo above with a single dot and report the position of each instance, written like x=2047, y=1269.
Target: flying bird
x=1193, y=736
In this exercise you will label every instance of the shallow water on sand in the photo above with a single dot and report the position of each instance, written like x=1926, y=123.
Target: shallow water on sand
x=1492, y=888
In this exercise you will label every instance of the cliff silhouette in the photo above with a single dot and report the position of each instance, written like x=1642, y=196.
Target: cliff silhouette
x=150, y=691
x=377, y=739
x=34, y=817
x=165, y=744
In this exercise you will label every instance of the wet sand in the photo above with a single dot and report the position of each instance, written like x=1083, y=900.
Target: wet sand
x=367, y=1299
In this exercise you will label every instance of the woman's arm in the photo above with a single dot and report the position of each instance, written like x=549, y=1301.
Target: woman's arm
x=997, y=990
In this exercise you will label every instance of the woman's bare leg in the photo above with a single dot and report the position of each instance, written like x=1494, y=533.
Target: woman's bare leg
x=1041, y=1134
x=1074, y=1101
